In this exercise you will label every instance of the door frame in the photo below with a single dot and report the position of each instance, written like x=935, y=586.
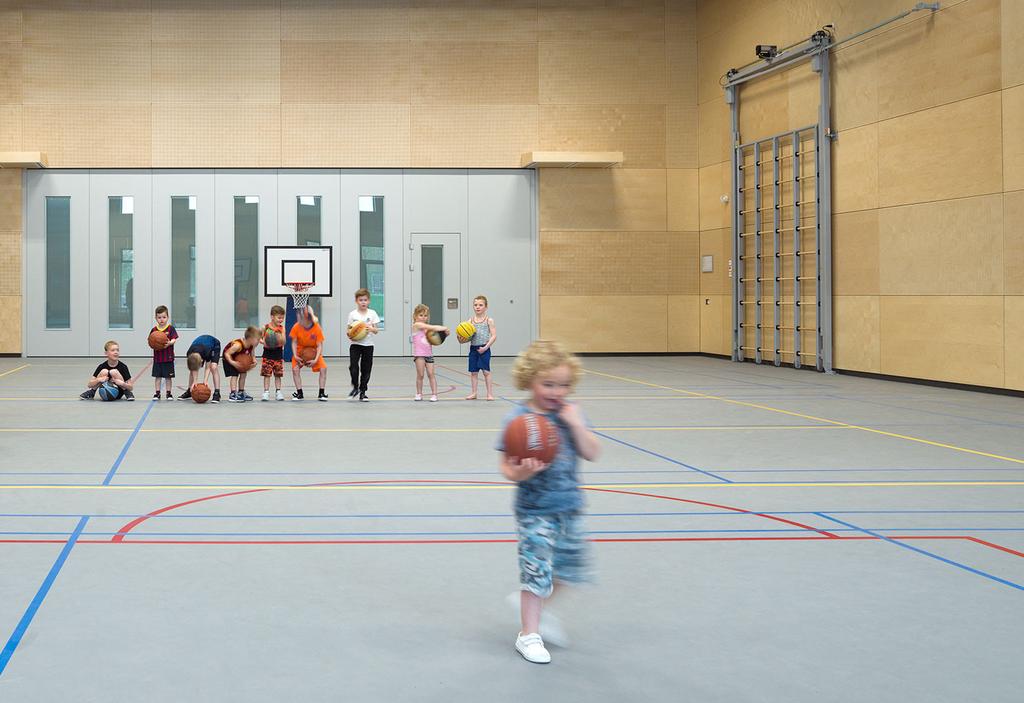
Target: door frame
x=453, y=254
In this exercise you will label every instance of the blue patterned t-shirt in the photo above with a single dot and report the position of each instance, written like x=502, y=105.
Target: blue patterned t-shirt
x=557, y=488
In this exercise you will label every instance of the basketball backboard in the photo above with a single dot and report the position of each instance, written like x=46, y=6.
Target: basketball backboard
x=282, y=265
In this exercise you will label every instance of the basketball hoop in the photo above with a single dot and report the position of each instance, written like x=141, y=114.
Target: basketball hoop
x=300, y=295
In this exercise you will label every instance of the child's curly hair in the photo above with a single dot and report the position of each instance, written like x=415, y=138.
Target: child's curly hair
x=542, y=356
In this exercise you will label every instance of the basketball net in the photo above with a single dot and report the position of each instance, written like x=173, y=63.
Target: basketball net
x=300, y=295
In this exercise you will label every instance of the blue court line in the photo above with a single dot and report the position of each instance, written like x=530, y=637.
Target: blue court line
x=44, y=589
x=127, y=445
x=663, y=457
x=421, y=533
x=924, y=552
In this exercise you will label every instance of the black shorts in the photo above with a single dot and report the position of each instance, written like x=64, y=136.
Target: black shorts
x=208, y=354
x=163, y=369
x=229, y=370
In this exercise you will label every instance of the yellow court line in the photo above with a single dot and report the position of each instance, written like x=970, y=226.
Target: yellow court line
x=19, y=368
x=503, y=487
x=803, y=416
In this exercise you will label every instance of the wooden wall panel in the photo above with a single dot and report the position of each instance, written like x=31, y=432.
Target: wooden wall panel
x=64, y=22
x=471, y=20
x=683, y=323
x=714, y=130
x=11, y=23
x=86, y=73
x=957, y=339
x=603, y=199
x=211, y=136
x=224, y=20
x=10, y=324
x=765, y=107
x=344, y=72
x=473, y=73
x=1012, y=42
x=683, y=202
x=855, y=253
x=320, y=20
x=10, y=200
x=950, y=151
x=716, y=243
x=681, y=134
x=715, y=182
x=856, y=340
x=1014, y=343
x=716, y=324
x=10, y=127
x=1013, y=243
x=1013, y=138
x=855, y=85
x=951, y=247
x=638, y=131
x=472, y=135
x=952, y=56
x=595, y=323
x=233, y=72
x=10, y=72
x=625, y=263
x=855, y=170
x=603, y=73
x=355, y=136
x=90, y=136
x=586, y=20
x=10, y=263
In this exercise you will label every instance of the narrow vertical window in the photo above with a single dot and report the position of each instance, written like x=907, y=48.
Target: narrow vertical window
x=247, y=211
x=183, y=261
x=58, y=262
x=121, y=261
x=371, y=249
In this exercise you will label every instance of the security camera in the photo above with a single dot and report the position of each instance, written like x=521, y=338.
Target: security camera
x=766, y=51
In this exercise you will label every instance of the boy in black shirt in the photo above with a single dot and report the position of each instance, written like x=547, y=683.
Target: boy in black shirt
x=113, y=372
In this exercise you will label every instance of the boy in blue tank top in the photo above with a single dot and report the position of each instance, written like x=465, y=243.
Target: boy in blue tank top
x=480, y=347
x=549, y=503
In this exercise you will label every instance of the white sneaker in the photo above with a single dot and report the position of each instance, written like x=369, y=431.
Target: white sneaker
x=418, y=397
x=433, y=399
x=280, y=395
x=266, y=396
x=551, y=628
x=531, y=646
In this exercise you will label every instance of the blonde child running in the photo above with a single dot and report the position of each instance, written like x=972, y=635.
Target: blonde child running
x=480, y=347
x=423, y=355
x=273, y=340
x=549, y=503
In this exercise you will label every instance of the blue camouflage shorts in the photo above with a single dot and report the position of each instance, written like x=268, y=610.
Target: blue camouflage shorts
x=552, y=547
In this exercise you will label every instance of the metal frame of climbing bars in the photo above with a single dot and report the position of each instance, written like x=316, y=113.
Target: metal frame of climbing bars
x=807, y=264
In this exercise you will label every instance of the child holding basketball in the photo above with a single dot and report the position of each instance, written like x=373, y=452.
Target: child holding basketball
x=360, y=353
x=423, y=355
x=272, y=340
x=480, y=347
x=203, y=352
x=549, y=503
x=112, y=374
x=236, y=367
x=163, y=359
x=308, y=350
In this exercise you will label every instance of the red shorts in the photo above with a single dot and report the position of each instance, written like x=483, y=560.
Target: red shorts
x=272, y=367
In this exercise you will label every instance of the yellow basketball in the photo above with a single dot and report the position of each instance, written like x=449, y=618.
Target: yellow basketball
x=465, y=331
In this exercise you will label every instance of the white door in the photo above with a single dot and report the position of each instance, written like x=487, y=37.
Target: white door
x=121, y=257
x=184, y=269
x=56, y=311
x=436, y=281
x=308, y=215
x=245, y=221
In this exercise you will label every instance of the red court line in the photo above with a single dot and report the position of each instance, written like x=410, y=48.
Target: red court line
x=996, y=546
x=121, y=533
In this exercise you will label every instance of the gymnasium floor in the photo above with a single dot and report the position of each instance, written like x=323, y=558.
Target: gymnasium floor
x=762, y=534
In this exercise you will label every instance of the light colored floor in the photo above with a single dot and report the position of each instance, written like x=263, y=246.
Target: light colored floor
x=762, y=534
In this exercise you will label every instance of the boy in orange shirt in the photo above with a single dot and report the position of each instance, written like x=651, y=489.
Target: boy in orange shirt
x=307, y=334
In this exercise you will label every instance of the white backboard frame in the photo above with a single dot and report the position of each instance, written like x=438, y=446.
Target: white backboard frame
x=277, y=260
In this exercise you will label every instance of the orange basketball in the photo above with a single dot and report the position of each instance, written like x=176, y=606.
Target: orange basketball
x=245, y=360
x=157, y=340
x=307, y=354
x=200, y=393
x=357, y=331
x=531, y=436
